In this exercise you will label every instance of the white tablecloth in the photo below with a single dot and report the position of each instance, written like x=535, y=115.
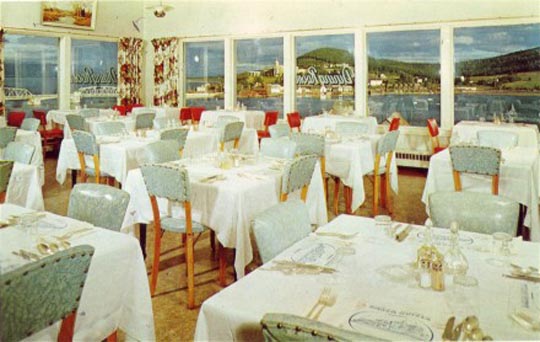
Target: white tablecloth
x=228, y=206
x=58, y=116
x=319, y=123
x=353, y=158
x=24, y=187
x=116, y=293
x=248, y=144
x=168, y=112
x=465, y=131
x=518, y=181
x=364, y=287
x=252, y=118
x=95, y=123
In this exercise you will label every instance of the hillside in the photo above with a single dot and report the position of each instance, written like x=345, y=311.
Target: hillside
x=519, y=61
x=392, y=67
x=322, y=56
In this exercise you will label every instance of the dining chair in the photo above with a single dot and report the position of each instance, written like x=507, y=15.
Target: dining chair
x=294, y=120
x=39, y=294
x=279, y=130
x=279, y=227
x=145, y=120
x=7, y=135
x=196, y=113
x=15, y=118
x=50, y=137
x=497, y=139
x=185, y=115
x=394, y=124
x=177, y=134
x=270, y=118
x=474, y=211
x=173, y=184
x=312, y=144
x=6, y=167
x=120, y=109
x=479, y=160
x=86, y=145
x=89, y=112
x=160, y=151
x=110, y=128
x=30, y=124
x=76, y=122
x=161, y=122
x=278, y=148
x=433, y=129
x=351, y=128
x=284, y=327
x=232, y=131
x=98, y=204
x=19, y=152
x=297, y=175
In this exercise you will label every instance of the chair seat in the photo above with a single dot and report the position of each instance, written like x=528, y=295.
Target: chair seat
x=52, y=133
x=178, y=225
x=382, y=171
x=92, y=173
x=439, y=149
x=263, y=134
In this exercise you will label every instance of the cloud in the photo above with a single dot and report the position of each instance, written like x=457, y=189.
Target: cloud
x=464, y=40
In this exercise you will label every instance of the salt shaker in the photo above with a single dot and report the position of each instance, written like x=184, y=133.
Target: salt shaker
x=437, y=275
x=425, y=273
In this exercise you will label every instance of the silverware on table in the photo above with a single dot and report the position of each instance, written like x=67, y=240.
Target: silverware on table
x=401, y=236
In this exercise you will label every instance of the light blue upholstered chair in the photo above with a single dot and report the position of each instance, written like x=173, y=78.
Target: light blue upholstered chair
x=385, y=149
x=351, y=128
x=297, y=175
x=30, y=124
x=172, y=184
x=76, y=122
x=279, y=227
x=19, y=152
x=497, y=139
x=232, y=131
x=86, y=145
x=6, y=167
x=161, y=122
x=478, y=160
x=278, y=148
x=98, y=204
x=160, y=151
x=145, y=120
x=474, y=212
x=7, y=135
x=89, y=112
x=177, y=134
x=41, y=293
x=110, y=128
x=279, y=130
x=311, y=144
x=282, y=327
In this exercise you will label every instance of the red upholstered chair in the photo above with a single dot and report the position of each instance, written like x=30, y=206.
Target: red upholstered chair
x=394, y=125
x=270, y=118
x=135, y=105
x=49, y=137
x=121, y=109
x=15, y=119
x=294, y=120
x=433, y=129
x=185, y=115
x=196, y=114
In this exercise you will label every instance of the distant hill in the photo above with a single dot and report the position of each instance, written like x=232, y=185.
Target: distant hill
x=519, y=61
x=389, y=67
x=323, y=56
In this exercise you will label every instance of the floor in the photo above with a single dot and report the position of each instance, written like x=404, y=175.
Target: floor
x=173, y=321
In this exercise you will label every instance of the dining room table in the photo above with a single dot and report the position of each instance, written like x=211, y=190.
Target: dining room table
x=466, y=132
x=372, y=286
x=253, y=119
x=327, y=122
x=116, y=293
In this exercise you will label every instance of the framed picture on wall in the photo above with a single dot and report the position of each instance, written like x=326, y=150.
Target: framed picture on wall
x=71, y=14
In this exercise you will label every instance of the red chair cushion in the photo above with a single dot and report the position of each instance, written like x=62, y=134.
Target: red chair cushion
x=294, y=119
x=121, y=109
x=15, y=119
x=263, y=134
x=196, y=113
x=52, y=133
x=185, y=114
x=394, y=124
x=270, y=118
x=432, y=126
x=439, y=149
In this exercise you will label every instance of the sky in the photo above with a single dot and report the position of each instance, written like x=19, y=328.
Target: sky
x=406, y=46
x=256, y=54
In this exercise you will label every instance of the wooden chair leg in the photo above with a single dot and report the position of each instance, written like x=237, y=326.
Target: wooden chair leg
x=155, y=262
x=113, y=337
x=222, y=264
x=457, y=180
x=303, y=194
x=67, y=329
x=213, y=243
x=383, y=191
x=347, y=192
x=2, y=197
x=337, y=182
x=284, y=197
x=190, y=265
x=376, y=195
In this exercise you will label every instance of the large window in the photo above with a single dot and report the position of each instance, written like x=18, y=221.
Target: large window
x=259, y=73
x=31, y=72
x=325, y=74
x=497, y=71
x=404, y=75
x=205, y=74
x=93, y=73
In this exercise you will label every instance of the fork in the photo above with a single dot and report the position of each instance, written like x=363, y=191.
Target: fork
x=327, y=299
x=322, y=299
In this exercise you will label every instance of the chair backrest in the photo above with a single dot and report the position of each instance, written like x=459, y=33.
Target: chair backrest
x=279, y=227
x=270, y=118
x=7, y=135
x=76, y=122
x=98, y=204
x=89, y=112
x=196, y=113
x=294, y=120
x=144, y=120
x=167, y=182
x=121, y=109
x=387, y=143
x=161, y=122
x=474, y=211
x=185, y=115
x=41, y=115
x=6, y=167
x=38, y=294
x=232, y=131
x=351, y=127
x=298, y=173
x=497, y=139
x=160, y=151
x=85, y=142
x=110, y=128
x=278, y=148
x=15, y=119
x=308, y=144
x=394, y=124
x=475, y=159
x=178, y=134
x=433, y=127
x=282, y=327
x=279, y=130
x=30, y=124
x=19, y=152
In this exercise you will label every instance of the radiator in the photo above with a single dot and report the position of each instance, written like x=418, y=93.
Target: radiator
x=413, y=159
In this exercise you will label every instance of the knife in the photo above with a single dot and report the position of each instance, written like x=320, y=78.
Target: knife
x=324, y=269
x=523, y=277
x=447, y=334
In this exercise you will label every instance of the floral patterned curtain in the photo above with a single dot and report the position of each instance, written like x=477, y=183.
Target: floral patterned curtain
x=130, y=60
x=166, y=71
x=2, y=94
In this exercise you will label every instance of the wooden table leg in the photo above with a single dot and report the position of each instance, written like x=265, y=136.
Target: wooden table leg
x=142, y=238
x=73, y=178
x=222, y=265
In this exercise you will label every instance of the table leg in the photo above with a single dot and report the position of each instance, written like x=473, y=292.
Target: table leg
x=73, y=178
x=222, y=265
x=142, y=238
